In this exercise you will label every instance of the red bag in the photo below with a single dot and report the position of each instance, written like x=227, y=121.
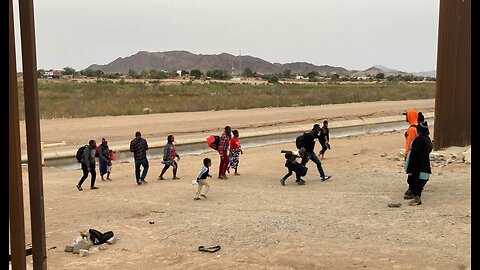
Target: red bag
x=213, y=141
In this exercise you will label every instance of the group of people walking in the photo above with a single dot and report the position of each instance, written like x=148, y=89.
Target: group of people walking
x=105, y=157
x=417, y=163
x=229, y=150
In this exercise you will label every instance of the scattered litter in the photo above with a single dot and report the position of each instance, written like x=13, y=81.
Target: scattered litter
x=211, y=249
x=90, y=242
x=394, y=204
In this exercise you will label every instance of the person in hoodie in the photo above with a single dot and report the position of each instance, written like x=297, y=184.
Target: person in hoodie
x=411, y=133
x=411, y=117
x=417, y=163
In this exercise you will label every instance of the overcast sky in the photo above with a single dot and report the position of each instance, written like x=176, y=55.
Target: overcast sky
x=354, y=34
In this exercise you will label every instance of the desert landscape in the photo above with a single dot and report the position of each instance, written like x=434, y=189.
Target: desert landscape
x=342, y=223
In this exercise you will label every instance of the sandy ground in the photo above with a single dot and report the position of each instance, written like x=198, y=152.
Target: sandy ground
x=342, y=223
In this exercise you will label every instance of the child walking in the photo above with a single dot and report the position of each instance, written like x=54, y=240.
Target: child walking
x=109, y=164
x=169, y=156
x=235, y=151
x=202, y=179
x=294, y=166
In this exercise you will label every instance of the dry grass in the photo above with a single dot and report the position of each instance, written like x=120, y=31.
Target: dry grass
x=85, y=99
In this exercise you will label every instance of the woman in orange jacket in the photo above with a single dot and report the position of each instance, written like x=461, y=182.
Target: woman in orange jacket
x=410, y=135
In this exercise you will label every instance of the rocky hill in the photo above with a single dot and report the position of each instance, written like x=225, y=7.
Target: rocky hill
x=177, y=60
x=184, y=60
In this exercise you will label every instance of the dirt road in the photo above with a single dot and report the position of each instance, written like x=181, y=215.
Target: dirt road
x=78, y=131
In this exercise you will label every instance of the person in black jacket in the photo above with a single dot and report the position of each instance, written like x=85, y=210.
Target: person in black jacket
x=324, y=138
x=88, y=165
x=308, y=143
x=417, y=164
x=294, y=166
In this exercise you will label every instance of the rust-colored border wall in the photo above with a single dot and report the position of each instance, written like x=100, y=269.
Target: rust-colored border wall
x=454, y=73
x=15, y=185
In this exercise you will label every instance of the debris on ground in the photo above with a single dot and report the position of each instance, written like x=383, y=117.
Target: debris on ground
x=442, y=158
x=84, y=246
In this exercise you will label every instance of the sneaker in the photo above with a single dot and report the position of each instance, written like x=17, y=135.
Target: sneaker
x=175, y=178
x=203, y=196
x=408, y=197
x=326, y=177
x=282, y=181
x=300, y=183
x=196, y=199
x=139, y=182
x=408, y=192
x=161, y=178
x=143, y=182
x=79, y=187
x=93, y=187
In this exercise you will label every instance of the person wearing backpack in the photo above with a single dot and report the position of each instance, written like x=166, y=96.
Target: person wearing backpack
x=88, y=165
x=169, y=158
x=308, y=142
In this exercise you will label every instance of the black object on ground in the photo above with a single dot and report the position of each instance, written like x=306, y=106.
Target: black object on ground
x=209, y=249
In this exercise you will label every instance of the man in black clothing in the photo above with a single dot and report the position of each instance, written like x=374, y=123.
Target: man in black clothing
x=88, y=165
x=139, y=148
x=308, y=143
x=324, y=138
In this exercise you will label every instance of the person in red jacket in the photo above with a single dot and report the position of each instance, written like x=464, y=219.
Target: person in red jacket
x=235, y=151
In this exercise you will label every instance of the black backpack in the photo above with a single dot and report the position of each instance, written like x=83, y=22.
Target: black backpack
x=302, y=170
x=299, y=141
x=79, y=155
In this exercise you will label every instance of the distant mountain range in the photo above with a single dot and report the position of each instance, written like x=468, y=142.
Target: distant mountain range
x=183, y=60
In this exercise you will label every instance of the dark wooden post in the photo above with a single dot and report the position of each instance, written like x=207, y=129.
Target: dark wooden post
x=453, y=88
x=15, y=186
x=32, y=124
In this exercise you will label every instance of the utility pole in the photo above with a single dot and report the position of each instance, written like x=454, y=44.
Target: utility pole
x=240, y=65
